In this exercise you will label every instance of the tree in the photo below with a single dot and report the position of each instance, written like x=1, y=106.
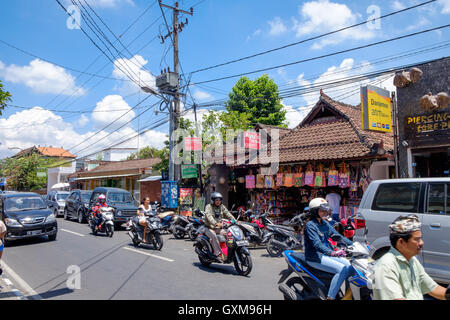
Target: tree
x=260, y=99
x=144, y=153
x=5, y=97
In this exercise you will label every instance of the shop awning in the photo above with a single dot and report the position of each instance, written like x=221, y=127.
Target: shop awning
x=151, y=178
x=107, y=177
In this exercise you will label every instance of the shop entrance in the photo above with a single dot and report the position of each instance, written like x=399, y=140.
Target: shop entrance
x=428, y=163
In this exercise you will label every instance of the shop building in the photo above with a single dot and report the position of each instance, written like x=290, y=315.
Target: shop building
x=424, y=128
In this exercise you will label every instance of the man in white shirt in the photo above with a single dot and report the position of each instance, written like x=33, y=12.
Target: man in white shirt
x=334, y=201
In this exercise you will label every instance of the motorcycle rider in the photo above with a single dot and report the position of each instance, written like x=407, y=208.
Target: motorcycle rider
x=144, y=209
x=214, y=212
x=101, y=203
x=318, y=251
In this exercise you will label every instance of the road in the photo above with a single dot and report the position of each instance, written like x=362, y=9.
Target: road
x=112, y=268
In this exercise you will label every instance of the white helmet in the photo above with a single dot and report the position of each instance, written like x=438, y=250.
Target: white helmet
x=101, y=198
x=319, y=203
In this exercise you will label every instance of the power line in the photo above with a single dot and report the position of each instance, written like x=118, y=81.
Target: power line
x=312, y=38
x=326, y=55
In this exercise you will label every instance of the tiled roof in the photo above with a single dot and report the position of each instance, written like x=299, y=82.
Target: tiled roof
x=55, y=152
x=117, y=166
x=268, y=128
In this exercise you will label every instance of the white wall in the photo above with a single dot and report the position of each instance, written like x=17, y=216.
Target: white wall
x=380, y=169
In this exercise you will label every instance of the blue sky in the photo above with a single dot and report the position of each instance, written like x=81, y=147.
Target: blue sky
x=219, y=31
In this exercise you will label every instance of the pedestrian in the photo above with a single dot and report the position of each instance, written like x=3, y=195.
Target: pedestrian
x=2, y=236
x=334, y=201
x=398, y=275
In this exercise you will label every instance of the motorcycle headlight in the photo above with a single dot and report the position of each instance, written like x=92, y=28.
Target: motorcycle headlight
x=12, y=222
x=50, y=218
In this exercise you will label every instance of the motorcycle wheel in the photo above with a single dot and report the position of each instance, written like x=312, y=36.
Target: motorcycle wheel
x=295, y=286
x=192, y=234
x=272, y=249
x=109, y=230
x=244, y=267
x=178, y=234
x=157, y=241
x=203, y=261
x=136, y=242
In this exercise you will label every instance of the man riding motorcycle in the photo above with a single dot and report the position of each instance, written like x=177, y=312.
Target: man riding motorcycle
x=101, y=203
x=214, y=213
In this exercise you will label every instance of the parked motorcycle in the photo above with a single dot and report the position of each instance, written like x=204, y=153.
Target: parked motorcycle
x=284, y=237
x=153, y=235
x=106, y=224
x=310, y=283
x=233, y=246
x=196, y=221
x=167, y=217
x=180, y=226
x=255, y=231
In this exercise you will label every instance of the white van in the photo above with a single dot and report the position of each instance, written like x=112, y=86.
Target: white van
x=429, y=198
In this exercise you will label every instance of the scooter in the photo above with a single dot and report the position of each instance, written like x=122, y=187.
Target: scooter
x=106, y=224
x=233, y=246
x=153, y=235
x=167, y=217
x=310, y=283
x=196, y=222
x=284, y=237
x=255, y=231
x=180, y=226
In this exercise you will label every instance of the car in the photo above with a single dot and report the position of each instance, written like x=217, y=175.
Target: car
x=120, y=199
x=77, y=205
x=56, y=201
x=26, y=216
x=429, y=199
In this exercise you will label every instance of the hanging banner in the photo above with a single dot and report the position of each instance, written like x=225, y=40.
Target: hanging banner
x=186, y=196
x=376, y=109
x=192, y=144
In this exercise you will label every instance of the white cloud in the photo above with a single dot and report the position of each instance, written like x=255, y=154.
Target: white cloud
x=133, y=68
x=254, y=34
x=315, y=22
x=38, y=126
x=42, y=77
x=104, y=112
x=397, y=5
x=277, y=27
x=445, y=6
x=201, y=95
x=83, y=120
x=293, y=116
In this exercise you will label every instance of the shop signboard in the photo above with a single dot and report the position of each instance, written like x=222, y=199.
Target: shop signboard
x=430, y=128
x=376, y=109
x=169, y=194
x=186, y=201
x=189, y=171
x=251, y=140
x=192, y=144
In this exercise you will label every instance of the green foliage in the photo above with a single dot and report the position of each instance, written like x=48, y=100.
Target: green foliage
x=5, y=97
x=144, y=153
x=259, y=98
x=22, y=172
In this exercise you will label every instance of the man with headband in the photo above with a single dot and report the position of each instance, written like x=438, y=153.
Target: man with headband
x=398, y=274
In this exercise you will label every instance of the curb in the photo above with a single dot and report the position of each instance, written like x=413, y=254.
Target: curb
x=7, y=288
x=27, y=293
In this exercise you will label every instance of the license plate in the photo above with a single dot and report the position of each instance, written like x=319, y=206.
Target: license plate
x=32, y=233
x=242, y=243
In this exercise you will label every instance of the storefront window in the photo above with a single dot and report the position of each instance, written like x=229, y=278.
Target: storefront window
x=431, y=162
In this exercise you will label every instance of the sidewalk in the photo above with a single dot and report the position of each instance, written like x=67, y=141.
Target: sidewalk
x=8, y=291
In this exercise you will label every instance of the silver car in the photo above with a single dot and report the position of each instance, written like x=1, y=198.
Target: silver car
x=56, y=201
x=429, y=198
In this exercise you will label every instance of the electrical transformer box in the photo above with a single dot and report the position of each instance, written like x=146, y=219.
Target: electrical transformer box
x=167, y=80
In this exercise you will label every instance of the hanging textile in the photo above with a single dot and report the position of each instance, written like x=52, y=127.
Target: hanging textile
x=289, y=180
x=309, y=176
x=250, y=182
x=259, y=181
x=268, y=182
x=333, y=176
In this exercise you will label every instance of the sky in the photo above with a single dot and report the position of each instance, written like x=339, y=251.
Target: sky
x=67, y=93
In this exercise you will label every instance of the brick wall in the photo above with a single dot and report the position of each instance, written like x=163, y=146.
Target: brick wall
x=151, y=189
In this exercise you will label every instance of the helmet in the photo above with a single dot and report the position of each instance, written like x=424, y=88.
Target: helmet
x=102, y=198
x=318, y=203
x=216, y=195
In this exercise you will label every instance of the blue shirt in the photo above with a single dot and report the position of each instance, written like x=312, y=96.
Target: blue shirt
x=316, y=239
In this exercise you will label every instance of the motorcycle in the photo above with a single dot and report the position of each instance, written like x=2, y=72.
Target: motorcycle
x=196, y=222
x=310, y=283
x=167, y=217
x=284, y=237
x=153, y=235
x=256, y=230
x=233, y=246
x=180, y=226
x=106, y=224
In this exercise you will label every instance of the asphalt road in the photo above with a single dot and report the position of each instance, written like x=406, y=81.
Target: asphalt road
x=112, y=268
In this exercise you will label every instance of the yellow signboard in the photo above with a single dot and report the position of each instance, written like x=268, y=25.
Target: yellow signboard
x=376, y=109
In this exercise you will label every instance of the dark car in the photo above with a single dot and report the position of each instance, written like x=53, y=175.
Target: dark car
x=26, y=215
x=56, y=201
x=121, y=200
x=77, y=205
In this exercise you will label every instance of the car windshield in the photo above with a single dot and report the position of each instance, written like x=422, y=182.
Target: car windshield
x=120, y=197
x=24, y=203
x=85, y=197
x=62, y=196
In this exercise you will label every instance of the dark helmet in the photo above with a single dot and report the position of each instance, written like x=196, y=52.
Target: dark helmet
x=216, y=195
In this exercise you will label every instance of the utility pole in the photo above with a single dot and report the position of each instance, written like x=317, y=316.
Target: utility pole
x=174, y=170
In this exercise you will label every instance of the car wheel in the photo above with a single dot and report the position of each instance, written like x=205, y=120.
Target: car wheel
x=80, y=216
x=66, y=216
x=52, y=237
x=55, y=213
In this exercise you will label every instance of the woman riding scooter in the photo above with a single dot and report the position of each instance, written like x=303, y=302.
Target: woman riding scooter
x=318, y=252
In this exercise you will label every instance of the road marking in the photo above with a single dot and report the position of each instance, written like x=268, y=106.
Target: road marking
x=31, y=294
x=76, y=233
x=149, y=254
